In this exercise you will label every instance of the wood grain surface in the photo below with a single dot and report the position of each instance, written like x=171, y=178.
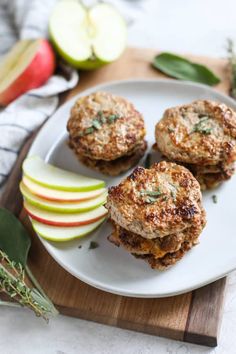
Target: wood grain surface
x=193, y=317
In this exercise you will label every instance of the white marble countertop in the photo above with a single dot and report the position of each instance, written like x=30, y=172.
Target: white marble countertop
x=196, y=26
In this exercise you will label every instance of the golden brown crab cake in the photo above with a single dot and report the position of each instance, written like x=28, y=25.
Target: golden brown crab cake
x=115, y=167
x=157, y=247
x=156, y=202
x=106, y=127
x=202, y=133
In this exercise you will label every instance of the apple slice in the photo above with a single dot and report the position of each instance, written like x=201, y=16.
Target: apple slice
x=28, y=65
x=55, y=178
x=66, y=220
x=87, y=38
x=60, y=196
x=64, y=208
x=59, y=234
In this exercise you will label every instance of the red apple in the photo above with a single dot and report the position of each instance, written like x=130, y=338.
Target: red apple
x=28, y=65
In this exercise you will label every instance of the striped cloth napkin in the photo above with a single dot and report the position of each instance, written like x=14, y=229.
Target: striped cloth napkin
x=24, y=19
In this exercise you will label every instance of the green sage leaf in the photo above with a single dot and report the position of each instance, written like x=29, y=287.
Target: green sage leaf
x=14, y=239
x=183, y=69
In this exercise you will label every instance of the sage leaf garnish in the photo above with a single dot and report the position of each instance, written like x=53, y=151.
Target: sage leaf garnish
x=96, y=124
x=183, y=69
x=89, y=130
x=201, y=127
x=14, y=247
x=93, y=245
x=214, y=198
x=112, y=118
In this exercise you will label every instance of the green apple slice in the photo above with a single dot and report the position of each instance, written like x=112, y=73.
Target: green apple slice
x=87, y=37
x=55, y=178
x=58, y=195
x=60, y=234
x=66, y=220
x=67, y=207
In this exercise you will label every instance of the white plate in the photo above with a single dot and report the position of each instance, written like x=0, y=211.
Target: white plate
x=111, y=268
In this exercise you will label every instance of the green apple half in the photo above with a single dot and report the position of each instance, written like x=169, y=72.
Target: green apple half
x=69, y=207
x=58, y=195
x=55, y=178
x=87, y=38
x=66, y=220
x=59, y=234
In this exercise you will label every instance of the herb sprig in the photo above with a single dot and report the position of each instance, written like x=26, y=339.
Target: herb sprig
x=202, y=127
x=14, y=248
x=98, y=122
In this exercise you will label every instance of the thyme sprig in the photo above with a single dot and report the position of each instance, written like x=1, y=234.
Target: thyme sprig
x=232, y=65
x=12, y=282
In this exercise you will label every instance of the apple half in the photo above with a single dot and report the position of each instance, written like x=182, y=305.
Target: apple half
x=87, y=38
x=59, y=234
x=55, y=178
x=28, y=65
x=66, y=207
x=58, y=195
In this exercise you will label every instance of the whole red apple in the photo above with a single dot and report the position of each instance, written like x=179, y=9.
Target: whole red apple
x=28, y=65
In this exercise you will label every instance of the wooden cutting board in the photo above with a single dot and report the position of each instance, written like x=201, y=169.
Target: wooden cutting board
x=193, y=317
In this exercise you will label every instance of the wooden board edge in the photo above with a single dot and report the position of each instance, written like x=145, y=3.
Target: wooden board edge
x=205, y=332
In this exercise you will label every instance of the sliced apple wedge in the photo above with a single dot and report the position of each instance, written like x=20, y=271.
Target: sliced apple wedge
x=67, y=207
x=58, y=195
x=55, y=178
x=66, y=220
x=59, y=234
x=87, y=38
x=28, y=65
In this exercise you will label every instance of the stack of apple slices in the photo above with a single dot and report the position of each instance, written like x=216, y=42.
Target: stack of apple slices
x=62, y=205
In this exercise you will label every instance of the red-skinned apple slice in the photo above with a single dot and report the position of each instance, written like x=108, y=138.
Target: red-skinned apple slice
x=64, y=208
x=28, y=65
x=66, y=220
x=60, y=234
x=59, y=195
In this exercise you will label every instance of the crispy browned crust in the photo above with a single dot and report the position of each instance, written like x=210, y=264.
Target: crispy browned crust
x=118, y=166
x=176, y=138
x=113, y=139
x=157, y=247
x=212, y=176
x=177, y=208
x=169, y=259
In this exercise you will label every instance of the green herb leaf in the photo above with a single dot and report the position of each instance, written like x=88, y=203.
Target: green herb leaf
x=96, y=124
x=14, y=239
x=183, y=69
x=89, y=130
x=112, y=118
x=214, y=198
x=156, y=193
x=93, y=245
x=200, y=127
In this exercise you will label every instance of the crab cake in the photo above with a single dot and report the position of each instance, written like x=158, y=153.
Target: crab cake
x=156, y=202
x=201, y=134
x=157, y=213
x=104, y=128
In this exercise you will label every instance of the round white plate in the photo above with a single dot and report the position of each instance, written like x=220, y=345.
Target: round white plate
x=111, y=268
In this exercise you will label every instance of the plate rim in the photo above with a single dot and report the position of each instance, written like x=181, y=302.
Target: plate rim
x=81, y=277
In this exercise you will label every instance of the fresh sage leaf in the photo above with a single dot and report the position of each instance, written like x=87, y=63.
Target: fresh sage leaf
x=183, y=69
x=14, y=239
